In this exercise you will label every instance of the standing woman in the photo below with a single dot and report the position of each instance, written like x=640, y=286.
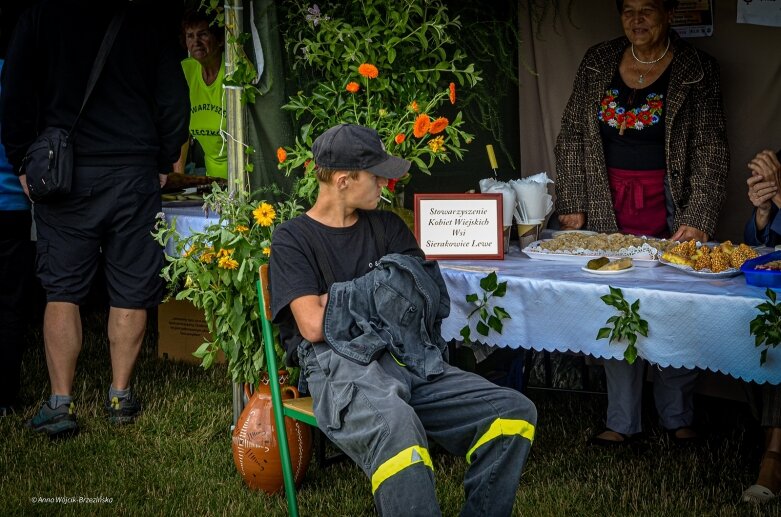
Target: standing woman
x=643, y=150
x=205, y=72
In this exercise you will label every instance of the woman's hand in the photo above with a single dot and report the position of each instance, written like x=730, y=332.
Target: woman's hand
x=572, y=221
x=687, y=233
x=760, y=191
x=766, y=166
x=763, y=185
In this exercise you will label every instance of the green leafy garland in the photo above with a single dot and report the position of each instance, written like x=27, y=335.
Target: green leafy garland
x=626, y=325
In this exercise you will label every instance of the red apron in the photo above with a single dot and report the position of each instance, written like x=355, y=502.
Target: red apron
x=638, y=199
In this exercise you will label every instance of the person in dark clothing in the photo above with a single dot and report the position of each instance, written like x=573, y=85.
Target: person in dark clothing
x=128, y=137
x=17, y=255
x=764, y=229
x=383, y=410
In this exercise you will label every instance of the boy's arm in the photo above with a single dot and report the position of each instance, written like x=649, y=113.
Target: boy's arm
x=309, y=312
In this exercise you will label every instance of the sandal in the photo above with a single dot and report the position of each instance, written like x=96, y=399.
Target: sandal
x=760, y=493
x=757, y=494
x=610, y=438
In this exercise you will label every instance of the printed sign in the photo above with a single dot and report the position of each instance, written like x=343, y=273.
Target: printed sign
x=761, y=12
x=693, y=18
x=457, y=226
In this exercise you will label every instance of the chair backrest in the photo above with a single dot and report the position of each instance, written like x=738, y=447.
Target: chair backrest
x=265, y=299
x=264, y=304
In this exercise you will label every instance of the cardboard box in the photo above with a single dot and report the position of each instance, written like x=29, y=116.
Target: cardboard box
x=181, y=330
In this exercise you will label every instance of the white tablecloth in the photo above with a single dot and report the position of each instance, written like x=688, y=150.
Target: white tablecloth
x=188, y=219
x=693, y=322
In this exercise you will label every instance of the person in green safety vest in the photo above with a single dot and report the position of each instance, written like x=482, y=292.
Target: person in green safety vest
x=205, y=72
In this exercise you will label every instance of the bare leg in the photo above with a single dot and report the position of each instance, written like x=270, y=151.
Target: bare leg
x=125, y=333
x=770, y=469
x=62, y=340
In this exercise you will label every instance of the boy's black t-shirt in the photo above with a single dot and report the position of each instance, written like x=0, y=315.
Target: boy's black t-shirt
x=351, y=252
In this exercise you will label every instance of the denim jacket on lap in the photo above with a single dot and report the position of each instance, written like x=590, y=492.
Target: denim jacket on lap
x=398, y=306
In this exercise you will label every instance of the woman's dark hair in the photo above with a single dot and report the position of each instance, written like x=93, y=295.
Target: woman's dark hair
x=193, y=17
x=668, y=5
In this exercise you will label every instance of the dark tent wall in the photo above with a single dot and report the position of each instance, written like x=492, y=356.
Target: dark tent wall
x=750, y=59
x=268, y=127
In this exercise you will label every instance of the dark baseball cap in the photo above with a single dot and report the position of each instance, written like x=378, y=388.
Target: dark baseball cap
x=356, y=148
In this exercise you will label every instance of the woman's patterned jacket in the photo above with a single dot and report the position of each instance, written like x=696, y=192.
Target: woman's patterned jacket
x=696, y=148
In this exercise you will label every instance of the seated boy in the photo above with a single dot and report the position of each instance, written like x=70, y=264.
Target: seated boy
x=382, y=412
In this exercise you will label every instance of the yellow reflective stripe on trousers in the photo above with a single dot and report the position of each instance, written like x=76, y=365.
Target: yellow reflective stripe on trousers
x=399, y=462
x=503, y=427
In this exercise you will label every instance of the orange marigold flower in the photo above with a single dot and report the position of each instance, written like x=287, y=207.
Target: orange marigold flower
x=281, y=154
x=437, y=144
x=452, y=93
x=421, y=126
x=352, y=87
x=399, y=138
x=368, y=70
x=413, y=106
x=438, y=125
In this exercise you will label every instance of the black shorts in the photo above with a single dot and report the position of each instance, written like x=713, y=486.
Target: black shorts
x=108, y=215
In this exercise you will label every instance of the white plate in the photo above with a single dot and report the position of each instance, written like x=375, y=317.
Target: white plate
x=608, y=272
x=702, y=273
x=581, y=232
x=581, y=259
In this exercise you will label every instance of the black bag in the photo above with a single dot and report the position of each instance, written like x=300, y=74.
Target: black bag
x=49, y=165
x=49, y=160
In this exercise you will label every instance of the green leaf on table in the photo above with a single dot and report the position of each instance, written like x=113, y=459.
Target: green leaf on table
x=630, y=354
x=500, y=313
x=488, y=283
x=603, y=333
x=482, y=328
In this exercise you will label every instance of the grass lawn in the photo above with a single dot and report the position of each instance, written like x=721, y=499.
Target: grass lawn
x=176, y=460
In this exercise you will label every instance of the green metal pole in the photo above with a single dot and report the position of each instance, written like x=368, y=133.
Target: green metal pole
x=279, y=416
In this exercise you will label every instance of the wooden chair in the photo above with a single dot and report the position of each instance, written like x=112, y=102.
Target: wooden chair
x=297, y=409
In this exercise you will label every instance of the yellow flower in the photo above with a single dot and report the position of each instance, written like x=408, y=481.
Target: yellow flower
x=368, y=70
x=264, y=214
x=227, y=263
x=224, y=253
x=188, y=251
x=437, y=144
x=267, y=251
x=240, y=228
x=207, y=256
